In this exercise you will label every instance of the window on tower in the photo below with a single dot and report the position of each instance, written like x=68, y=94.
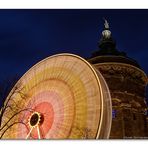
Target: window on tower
x=114, y=112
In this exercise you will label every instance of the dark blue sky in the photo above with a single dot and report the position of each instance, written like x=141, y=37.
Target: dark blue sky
x=28, y=36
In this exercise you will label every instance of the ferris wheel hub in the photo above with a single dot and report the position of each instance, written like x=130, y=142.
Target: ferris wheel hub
x=35, y=119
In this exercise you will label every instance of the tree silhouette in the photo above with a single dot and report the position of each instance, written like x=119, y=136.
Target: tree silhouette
x=11, y=105
x=5, y=88
x=84, y=133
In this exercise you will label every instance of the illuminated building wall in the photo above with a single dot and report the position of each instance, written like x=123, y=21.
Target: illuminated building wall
x=127, y=82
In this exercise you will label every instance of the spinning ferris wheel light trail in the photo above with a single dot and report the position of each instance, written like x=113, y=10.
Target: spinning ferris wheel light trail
x=68, y=97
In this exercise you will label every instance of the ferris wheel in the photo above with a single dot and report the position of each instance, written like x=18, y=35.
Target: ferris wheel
x=61, y=97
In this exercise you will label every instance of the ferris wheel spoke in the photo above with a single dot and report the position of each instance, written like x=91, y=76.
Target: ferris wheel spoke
x=39, y=135
x=29, y=133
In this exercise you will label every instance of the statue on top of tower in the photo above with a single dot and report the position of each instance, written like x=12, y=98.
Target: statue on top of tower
x=106, y=24
x=106, y=33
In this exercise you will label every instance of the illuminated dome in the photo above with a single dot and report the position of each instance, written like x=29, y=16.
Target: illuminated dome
x=107, y=50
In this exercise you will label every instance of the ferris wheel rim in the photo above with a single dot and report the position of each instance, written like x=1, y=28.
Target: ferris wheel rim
x=91, y=68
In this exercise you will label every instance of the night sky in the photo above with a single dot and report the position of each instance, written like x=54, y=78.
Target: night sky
x=28, y=36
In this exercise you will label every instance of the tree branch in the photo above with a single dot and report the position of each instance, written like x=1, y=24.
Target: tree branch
x=11, y=126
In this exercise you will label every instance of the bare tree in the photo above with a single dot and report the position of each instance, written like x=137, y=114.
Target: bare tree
x=84, y=133
x=5, y=88
x=11, y=105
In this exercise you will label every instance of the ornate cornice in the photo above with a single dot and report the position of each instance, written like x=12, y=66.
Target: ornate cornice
x=116, y=99
x=122, y=68
x=124, y=93
x=129, y=106
x=135, y=101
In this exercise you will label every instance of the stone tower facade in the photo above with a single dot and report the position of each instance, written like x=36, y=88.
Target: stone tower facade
x=127, y=82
